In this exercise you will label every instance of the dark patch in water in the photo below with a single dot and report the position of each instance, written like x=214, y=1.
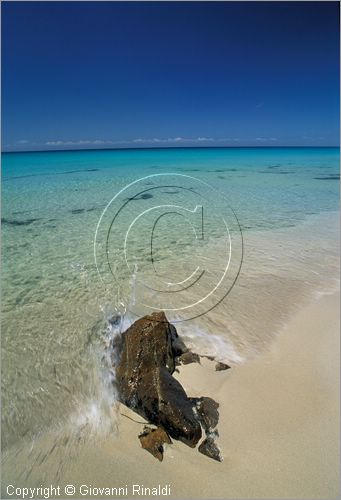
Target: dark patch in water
x=222, y=170
x=171, y=192
x=51, y=174
x=14, y=222
x=144, y=196
x=328, y=178
x=78, y=211
x=221, y=177
x=281, y=173
x=275, y=166
x=183, y=169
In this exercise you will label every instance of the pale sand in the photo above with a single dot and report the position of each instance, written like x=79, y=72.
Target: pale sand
x=279, y=425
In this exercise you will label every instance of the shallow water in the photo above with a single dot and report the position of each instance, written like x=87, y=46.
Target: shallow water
x=55, y=304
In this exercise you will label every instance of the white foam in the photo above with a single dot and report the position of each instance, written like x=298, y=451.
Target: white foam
x=208, y=344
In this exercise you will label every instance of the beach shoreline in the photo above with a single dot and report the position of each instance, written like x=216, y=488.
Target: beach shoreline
x=279, y=426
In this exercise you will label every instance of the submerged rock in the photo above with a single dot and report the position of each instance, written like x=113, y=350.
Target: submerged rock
x=153, y=440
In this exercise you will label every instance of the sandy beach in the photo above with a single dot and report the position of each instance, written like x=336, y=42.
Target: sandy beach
x=279, y=427
x=170, y=244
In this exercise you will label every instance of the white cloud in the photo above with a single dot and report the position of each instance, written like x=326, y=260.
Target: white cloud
x=172, y=139
x=266, y=139
x=22, y=141
x=140, y=140
x=77, y=143
x=205, y=139
x=156, y=139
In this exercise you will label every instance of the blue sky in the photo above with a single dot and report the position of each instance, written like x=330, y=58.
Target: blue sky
x=154, y=74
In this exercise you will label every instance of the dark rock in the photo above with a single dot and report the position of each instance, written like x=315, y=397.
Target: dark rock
x=207, y=410
x=209, y=448
x=188, y=357
x=145, y=382
x=211, y=358
x=153, y=440
x=178, y=346
x=221, y=366
x=115, y=320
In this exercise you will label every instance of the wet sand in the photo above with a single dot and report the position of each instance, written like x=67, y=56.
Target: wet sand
x=279, y=427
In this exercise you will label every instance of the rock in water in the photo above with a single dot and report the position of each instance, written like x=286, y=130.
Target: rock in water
x=145, y=382
x=153, y=440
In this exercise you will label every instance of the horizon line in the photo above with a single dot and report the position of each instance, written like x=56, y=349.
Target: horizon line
x=139, y=148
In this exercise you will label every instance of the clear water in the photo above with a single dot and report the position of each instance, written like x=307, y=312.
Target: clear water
x=54, y=304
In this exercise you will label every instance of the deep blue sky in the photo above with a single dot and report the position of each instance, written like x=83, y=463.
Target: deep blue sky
x=100, y=74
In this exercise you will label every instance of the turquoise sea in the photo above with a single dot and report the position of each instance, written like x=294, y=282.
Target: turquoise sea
x=55, y=303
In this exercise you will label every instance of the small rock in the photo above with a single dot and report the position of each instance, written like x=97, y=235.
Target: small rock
x=211, y=358
x=221, y=366
x=189, y=357
x=210, y=449
x=153, y=440
x=207, y=410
